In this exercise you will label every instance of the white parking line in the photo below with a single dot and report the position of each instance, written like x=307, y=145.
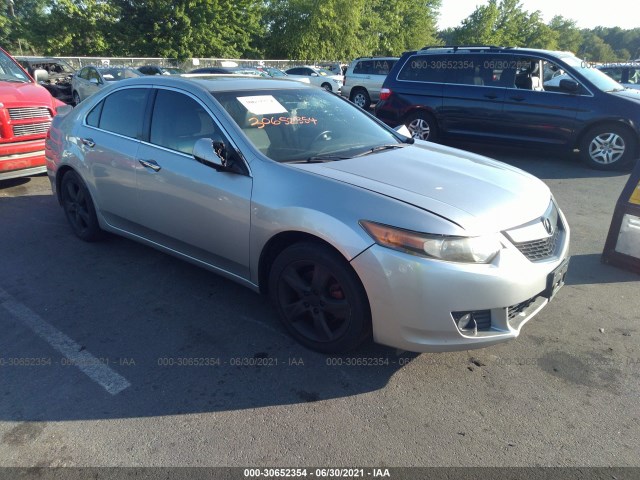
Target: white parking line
x=111, y=381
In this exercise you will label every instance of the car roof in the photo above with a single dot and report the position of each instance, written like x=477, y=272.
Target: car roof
x=38, y=59
x=463, y=49
x=219, y=83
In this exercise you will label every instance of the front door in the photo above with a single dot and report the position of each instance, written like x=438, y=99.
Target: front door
x=183, y=204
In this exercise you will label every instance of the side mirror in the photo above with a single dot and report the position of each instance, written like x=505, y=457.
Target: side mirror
x=403, y=130
x=40, y=75
x=315, y=75
x=63, y=110
x=569, y=85
x=214, y=153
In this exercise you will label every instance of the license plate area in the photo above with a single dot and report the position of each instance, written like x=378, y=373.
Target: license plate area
x=555, y=280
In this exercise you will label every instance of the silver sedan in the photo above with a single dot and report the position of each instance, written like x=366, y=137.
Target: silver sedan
x=354, y=230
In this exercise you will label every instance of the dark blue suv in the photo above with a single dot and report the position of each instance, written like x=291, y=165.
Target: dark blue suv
x=513, y=96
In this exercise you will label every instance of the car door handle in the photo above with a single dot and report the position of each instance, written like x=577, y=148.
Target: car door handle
x=88, y=142
x=491, y=96
x=152, y=164
x=517, y=99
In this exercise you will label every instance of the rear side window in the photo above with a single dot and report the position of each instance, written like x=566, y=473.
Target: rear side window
x=424, y=68
x=108, y=115
x=363, y=67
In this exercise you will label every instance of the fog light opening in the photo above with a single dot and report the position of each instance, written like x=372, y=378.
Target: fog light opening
x=467, y=324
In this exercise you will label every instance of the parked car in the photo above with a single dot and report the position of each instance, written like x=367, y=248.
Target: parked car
x=26, y=110
x=626, y=74
x=364, y=78
x=335, y=68
x=230, y=71
x=277, y=73
x=58, y=78
x=159, y=70
x=498, y=95
x=317, y=76
x=353, y=229
x=91, y=79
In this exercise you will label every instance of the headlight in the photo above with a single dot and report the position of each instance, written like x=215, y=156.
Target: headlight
x=451, y=249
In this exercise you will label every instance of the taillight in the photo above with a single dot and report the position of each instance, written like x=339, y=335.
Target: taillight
x=385, y=93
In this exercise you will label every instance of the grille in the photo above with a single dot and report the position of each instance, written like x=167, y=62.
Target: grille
x=515, y=310
x=542, y=249
x=31, y=129
x=29, y=112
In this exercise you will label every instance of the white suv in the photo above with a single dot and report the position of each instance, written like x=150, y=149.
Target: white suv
x=364, y=79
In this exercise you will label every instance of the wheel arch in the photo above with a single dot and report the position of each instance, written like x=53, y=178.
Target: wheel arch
x=277, y=244
x=60, y=173
x=611, y=121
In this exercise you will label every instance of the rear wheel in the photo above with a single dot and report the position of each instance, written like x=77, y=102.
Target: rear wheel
x=422, y=126
x=320, y=299
x=361, y=98
x=608, y=147
x=79, y=209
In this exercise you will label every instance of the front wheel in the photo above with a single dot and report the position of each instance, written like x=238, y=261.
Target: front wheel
x=76, y=98
x=422, y=126
x=326, y=86
x=79, y=209
x=319, y=298
x=608, y=147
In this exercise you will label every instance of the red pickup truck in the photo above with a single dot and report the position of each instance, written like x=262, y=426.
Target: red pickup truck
x=26, y=110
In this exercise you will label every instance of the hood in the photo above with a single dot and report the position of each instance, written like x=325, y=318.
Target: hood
x=631, y=94
x=476, y=193
x=24, y=94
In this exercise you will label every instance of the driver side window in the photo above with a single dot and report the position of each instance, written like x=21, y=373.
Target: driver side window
x=178, y=121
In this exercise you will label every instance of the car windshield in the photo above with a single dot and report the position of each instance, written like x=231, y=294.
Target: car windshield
x=114, y=74
x=601, y=80
x=275, y=72
x=324, y=72
x=9, y=71
x=305, y=125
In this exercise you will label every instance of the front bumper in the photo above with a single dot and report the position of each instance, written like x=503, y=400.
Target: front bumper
x=413, y=299
x=21, y=159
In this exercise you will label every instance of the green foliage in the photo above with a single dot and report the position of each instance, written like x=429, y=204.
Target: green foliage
x=308, y=30
x=569, y=35
x=505, y=23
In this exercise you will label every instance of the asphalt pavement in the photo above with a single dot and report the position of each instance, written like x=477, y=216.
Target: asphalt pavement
x=114, y=354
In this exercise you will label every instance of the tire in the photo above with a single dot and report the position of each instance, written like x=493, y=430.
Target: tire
x=361, y=98
x=422, y=126
x=608, y=147
x=76, y=98
x=326, y=86
x=320, y=299
x=79, y=209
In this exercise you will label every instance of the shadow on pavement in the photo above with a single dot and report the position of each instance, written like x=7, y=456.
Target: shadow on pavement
x=186, y=339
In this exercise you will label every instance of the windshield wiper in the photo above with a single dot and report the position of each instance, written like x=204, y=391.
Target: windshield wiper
x=320, y=159
x=380, y=148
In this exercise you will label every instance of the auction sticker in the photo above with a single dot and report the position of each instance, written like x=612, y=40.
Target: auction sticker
x=262, y=104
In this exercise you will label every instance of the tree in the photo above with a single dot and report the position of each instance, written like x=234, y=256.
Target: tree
x=569, y=35
x=343, y=29
x=73, y=27
x=594, y=49
x=505, y=23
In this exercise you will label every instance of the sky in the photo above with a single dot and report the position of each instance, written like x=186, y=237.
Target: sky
x=587, y=14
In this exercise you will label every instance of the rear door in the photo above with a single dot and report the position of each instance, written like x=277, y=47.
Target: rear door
x=474, y=90
x=108, y=142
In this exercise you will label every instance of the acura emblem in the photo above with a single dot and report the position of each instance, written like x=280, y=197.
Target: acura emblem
x=547, y=225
